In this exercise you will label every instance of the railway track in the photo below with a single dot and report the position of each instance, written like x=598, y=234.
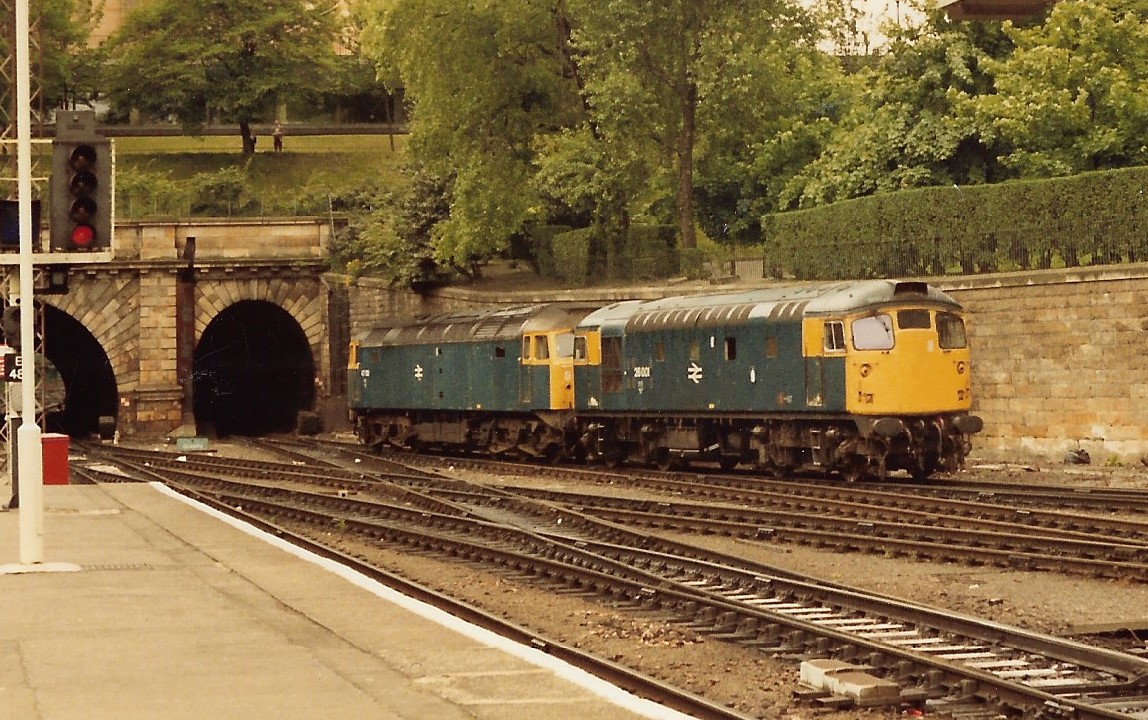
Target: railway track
x=950, y=661
x=938, y=529
x=1074, y=499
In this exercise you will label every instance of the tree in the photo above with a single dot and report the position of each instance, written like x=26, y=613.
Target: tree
x=218, y=61
x=1073, y=97
x=607, y=113
x=769, y=114
x=659, y=71
x=70, y=68
x=903, y=131
x=395, y=241
x=484, y=78
x=65, y=67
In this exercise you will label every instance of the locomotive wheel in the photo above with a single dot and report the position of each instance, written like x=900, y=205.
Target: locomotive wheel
x=920, y=474
x=663, y=460
x=856, y=469
x=577, y=453
x=552, y=455
x=772, y=469
x=728, y=462
x=613, y=458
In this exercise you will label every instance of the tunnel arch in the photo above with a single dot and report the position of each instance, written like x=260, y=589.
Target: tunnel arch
x=89, y=383
x=253, y=371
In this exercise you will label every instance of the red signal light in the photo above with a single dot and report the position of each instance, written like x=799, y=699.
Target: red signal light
x=82, y=236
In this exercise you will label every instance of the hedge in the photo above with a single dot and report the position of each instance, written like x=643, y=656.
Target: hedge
x=1096, y=218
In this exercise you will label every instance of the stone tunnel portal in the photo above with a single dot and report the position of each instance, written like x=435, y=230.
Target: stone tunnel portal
x=253, y=371
x=78, y=363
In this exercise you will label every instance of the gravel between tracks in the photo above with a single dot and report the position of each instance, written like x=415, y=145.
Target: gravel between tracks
x=758, y=684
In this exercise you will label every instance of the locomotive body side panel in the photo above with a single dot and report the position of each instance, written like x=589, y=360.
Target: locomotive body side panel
x=782, y=370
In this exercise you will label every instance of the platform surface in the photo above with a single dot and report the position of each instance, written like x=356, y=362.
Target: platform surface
x=155, y=608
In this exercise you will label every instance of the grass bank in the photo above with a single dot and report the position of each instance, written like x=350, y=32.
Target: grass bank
x=165, y=175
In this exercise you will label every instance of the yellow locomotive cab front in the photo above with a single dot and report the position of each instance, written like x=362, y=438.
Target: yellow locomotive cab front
x=907, y=361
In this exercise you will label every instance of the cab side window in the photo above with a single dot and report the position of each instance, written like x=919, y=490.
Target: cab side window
x=834, y=336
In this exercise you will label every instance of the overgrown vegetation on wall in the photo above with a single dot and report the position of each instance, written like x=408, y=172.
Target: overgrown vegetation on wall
x=645, y=252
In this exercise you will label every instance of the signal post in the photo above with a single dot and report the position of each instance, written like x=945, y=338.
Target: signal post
x=81, y=221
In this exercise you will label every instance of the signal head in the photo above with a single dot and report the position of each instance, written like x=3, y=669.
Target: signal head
x=81, y=191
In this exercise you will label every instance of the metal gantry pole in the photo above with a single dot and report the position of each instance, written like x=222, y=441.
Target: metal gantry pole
x=31, y=465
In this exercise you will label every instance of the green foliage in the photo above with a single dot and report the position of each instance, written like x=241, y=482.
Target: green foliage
x=646, y=252
x=597, y=124
x=541, y=242
x=223, y=192
x=146, y=191
x=671, y=78
x=151, y=184
x=1073, y=97
x=1094, y=219
x=220, y=61
x=571, y=252
x=63, y=67
x=68, y=67
x=616, y=119
x=393, y=239
x=903, y=131
x=757, y=138
x=649, y=252
x=486, y=79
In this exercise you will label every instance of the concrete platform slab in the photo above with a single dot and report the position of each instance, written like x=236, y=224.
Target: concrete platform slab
x=176, y=613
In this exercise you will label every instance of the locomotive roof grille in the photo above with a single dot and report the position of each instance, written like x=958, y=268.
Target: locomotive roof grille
x=472, y=326
x=778, y=304
x=786, y=311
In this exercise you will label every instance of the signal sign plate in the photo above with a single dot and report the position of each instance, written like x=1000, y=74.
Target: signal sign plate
x=13, y=367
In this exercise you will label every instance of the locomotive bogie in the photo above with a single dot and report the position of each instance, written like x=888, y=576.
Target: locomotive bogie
x=504, y=435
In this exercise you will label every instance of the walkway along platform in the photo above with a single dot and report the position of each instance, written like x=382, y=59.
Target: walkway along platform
x=152, y=606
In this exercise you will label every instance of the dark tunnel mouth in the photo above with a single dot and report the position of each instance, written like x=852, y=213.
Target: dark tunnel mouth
x=252, y=372
x=78, y=384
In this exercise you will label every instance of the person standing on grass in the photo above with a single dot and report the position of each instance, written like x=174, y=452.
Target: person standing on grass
x=277, y=137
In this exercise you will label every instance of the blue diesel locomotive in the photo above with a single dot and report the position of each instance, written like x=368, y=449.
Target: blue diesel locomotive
x=859, y=378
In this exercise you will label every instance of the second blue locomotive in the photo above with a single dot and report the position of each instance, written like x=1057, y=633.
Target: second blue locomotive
x=857, y=378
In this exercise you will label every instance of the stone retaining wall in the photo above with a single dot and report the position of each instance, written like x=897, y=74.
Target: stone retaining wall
x=1061, y=360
